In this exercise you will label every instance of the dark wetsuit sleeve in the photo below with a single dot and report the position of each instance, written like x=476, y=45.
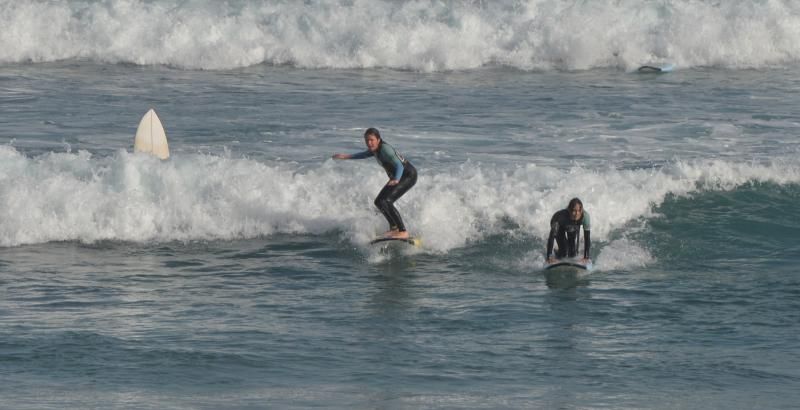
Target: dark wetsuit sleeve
x=587, y=243
x=587, y=227
x=361, y=155
x=552, y=237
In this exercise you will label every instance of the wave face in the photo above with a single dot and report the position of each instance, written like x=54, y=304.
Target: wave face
x=423, y=35
x=127, y=197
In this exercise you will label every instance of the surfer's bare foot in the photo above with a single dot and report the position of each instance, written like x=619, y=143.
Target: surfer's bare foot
x=398, y=234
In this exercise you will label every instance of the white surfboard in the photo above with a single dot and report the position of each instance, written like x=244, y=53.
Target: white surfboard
x=150, y=136
x=566, y=273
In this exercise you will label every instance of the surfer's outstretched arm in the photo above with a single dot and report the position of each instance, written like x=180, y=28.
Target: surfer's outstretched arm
x=357, y=155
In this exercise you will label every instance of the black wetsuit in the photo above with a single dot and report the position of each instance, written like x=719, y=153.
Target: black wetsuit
x=566, y=233
x=397, y=168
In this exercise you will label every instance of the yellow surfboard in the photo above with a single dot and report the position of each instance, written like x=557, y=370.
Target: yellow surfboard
x=411, y=241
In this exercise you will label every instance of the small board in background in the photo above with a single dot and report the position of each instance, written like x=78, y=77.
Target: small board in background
x=656, y=68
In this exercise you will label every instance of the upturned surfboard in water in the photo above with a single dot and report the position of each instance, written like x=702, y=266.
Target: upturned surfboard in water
x=150, y=136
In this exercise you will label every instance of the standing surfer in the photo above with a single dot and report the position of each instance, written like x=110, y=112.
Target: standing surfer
x=402, y=176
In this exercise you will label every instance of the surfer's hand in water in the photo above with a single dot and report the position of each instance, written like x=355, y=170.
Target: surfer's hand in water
x=341, y=156
x=393, y=182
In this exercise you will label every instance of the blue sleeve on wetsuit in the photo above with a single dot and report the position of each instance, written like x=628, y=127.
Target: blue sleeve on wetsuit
x=361, y=155
x=388, y=153
x=398, y=169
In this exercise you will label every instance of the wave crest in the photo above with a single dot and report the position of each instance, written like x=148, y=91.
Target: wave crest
x=423, y=35
x=135, y=197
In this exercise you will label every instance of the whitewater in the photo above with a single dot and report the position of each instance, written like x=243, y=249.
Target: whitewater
x=238, y=273
x=423, y=35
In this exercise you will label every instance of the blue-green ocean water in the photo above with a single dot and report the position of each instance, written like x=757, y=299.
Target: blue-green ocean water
x=237, y=273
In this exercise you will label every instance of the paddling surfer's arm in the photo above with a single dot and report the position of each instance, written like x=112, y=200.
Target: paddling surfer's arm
x=587, y=240
x=551, y=239
x=587, y=243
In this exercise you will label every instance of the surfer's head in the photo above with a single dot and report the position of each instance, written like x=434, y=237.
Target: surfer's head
x=575, y=209
x=372, y=138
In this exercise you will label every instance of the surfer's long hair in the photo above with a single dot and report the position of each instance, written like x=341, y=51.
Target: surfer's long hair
x=572, y=204
x=373, y=131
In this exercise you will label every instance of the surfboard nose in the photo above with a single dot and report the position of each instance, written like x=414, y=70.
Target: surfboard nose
x=150, y=136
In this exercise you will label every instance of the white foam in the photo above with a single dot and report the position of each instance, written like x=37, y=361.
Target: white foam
x=74, y=196
x=422, y=35
x=622, y=254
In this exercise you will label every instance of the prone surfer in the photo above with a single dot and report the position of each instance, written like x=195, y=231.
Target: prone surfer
x=402, y=176
x=565, y=229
